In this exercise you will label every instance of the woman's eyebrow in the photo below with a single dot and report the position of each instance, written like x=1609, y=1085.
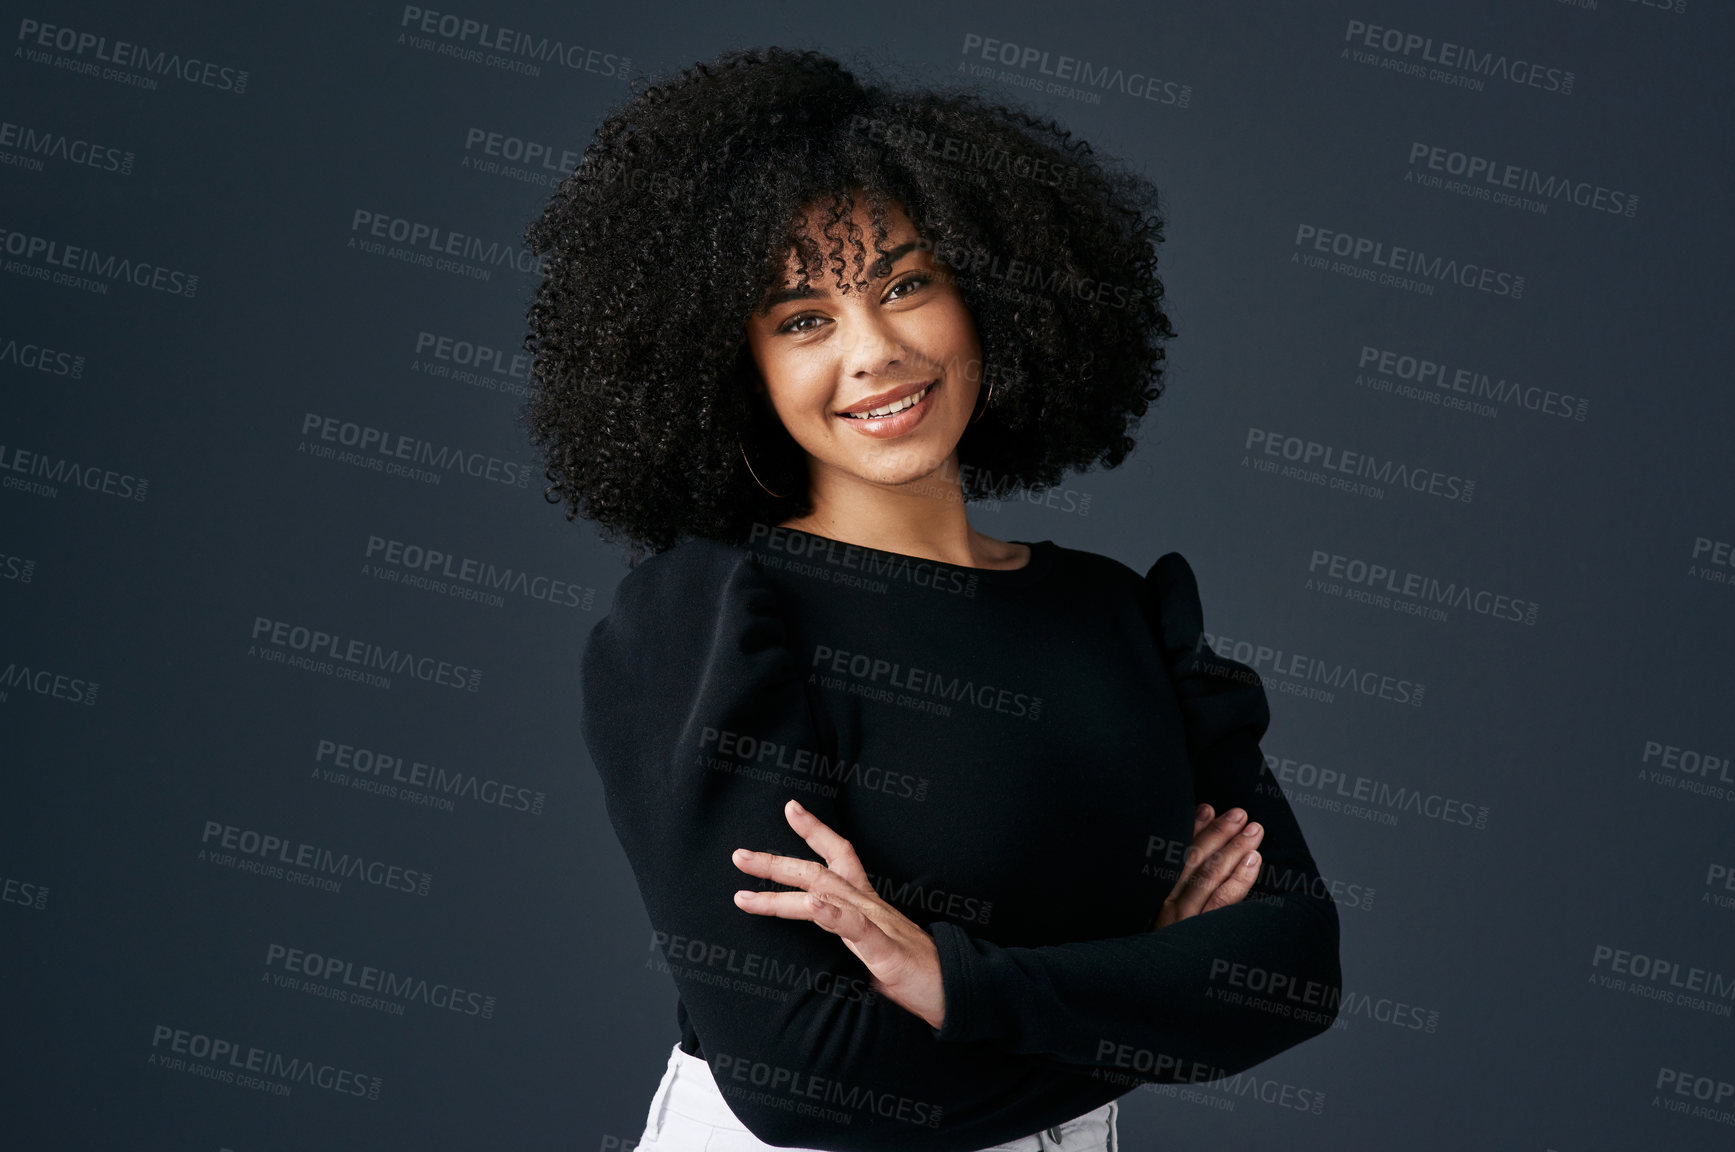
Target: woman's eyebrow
x=893, y=257
x=808, y=292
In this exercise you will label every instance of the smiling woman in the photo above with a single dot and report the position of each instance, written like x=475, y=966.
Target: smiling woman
x=703, y=197
x=903, y=351
x=1034, y=849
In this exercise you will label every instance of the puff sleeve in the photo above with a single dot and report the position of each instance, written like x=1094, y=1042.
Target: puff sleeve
x=1161, y=1005
x=688, y=685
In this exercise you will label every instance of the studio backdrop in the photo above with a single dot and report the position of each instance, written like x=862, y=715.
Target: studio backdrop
x=300, y=846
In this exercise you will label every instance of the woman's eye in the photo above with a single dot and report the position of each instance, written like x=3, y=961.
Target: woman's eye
x=912, y=283
x=795, y=323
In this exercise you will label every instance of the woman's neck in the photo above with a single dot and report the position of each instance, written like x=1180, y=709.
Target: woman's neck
x=925, y=519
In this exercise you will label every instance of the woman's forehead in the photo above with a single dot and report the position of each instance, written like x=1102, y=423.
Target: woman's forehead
x=823, y=238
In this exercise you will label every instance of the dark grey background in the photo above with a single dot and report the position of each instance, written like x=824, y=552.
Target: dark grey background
x=113, y=926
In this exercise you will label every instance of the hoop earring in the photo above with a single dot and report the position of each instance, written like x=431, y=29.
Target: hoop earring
x=985, y=404
x=755, y=475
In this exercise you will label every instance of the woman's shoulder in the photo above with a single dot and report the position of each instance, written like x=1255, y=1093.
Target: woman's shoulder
x=1112, y=572
x=676, y=606
x=693, y=555
x=693, y=643
x=1166, y=592
x=690, y=577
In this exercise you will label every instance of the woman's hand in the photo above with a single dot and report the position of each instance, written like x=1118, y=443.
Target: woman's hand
x=1220, y=866
x=837, y=896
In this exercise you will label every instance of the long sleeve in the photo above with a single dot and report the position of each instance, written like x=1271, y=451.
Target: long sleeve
x=1174, y=1003
x=692, y=695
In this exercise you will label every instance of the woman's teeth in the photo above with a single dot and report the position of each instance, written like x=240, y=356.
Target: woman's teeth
x=895, y=406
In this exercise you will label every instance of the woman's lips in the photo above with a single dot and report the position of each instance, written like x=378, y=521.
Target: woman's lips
x=898, y=423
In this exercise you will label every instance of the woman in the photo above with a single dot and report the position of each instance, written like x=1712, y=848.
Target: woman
x=790, y=325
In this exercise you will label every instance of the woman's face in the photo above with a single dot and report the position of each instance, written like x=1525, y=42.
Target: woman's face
x=829, y=357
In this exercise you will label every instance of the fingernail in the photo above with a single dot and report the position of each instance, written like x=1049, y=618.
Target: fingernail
x=742, y=853
x=1235, y=815
x=1250, y=830
x=743, y=897
x=796, y=804
x=1250, y=859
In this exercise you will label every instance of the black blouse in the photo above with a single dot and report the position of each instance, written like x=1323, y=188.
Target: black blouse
x=1015, y=755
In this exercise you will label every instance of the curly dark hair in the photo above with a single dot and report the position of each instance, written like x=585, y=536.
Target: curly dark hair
x=683, y=213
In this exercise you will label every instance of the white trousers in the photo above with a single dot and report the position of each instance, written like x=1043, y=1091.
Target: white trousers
x=689, y=1114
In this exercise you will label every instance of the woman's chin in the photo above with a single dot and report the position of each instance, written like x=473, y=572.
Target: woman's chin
x=906, y=461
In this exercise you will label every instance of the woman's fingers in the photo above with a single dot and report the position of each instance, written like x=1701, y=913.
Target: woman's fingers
x=838, y=853
x=1234, y=863
x=836, y=896
x=792, y=906
x=841, y=863
x=809, y=874
x=1208, y=836
x=1237, y=883
x=835, y=912
x=843, y=919
x=1216, y=856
